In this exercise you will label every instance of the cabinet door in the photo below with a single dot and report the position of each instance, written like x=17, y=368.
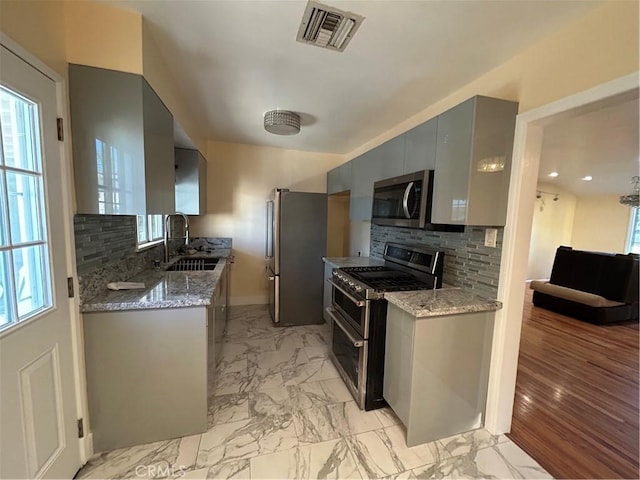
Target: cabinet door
x=361, y=200
x=191, y=177
x=159, y=156
x=108, y=143
x=202, y=184
x=385, y=161
x=339, y=179
x=492, y=143
x=389, y=159
x=453, y=154
x=398, y=362
x=420, y=147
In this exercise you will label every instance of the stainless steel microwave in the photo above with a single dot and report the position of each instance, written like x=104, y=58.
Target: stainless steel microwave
x=403, y=201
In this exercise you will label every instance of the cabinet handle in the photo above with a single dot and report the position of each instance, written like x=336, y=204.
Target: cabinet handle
x=405, y=200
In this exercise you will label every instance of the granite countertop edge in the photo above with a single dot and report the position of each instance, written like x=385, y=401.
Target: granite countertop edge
x=203, y=282
x=445, y=301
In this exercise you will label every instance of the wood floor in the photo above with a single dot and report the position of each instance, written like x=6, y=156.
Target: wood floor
x=576, y=404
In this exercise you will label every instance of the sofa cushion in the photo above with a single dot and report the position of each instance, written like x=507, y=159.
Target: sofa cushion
x=573, y=295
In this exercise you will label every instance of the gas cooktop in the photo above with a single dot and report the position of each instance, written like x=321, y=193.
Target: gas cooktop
x=385, y=279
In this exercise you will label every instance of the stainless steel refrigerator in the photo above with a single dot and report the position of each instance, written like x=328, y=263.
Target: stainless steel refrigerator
x=295, y=244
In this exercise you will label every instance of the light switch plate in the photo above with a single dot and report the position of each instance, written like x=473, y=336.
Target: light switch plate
x=490, y=237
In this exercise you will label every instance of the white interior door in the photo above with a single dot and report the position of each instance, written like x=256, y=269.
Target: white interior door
x=38, y=429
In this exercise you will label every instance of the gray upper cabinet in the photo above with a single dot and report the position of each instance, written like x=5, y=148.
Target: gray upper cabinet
x=339, y=179
x=123, y=151
x=385, y=161
x=191, y=182
x=420, y=147
x=473, y=162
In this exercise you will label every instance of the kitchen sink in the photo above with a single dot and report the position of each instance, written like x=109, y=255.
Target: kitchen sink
x=193, y=264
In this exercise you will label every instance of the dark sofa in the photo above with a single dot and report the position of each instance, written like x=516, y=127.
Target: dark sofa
x=594, y=287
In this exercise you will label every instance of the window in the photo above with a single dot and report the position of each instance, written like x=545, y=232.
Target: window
x=25, y=272
x=633, y=239
x=150, y=229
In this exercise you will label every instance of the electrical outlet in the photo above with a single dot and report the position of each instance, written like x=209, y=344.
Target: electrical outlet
x=490, y=237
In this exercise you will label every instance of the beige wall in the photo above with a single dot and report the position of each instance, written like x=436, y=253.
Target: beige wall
x=240, y=179
x=96, y=34
x=39, y=27
x=552, y=227
x=600, y=224
x=593, y=222
x=600, y=46
x=157, y=73
x=100, y=35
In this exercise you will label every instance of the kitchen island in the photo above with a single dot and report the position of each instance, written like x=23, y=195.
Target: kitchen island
x=438, y=348
x=151, y=355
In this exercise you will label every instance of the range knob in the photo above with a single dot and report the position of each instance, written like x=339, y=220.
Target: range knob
x=358, y=288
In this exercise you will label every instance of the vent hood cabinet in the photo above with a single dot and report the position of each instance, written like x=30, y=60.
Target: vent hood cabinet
x=191, y=182
x=473, y=162
x=123, y=147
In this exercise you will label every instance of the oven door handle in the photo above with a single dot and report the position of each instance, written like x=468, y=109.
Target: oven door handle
x=359, y=303
x=358, y=343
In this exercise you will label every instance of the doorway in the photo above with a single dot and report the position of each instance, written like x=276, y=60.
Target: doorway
x=338, y=224
x=576, y=402
x=508, y=323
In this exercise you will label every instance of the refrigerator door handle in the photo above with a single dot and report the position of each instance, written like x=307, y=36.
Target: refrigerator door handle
x=268, y=245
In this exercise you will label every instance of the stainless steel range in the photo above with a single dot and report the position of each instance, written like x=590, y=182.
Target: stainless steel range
x=359, y=314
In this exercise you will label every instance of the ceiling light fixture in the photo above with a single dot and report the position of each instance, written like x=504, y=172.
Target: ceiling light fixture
x=632, y=200
x=282, y=122
x=587, y=178
x=540, y=193
x=553, y=174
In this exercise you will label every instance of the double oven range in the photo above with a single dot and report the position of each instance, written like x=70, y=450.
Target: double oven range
x=359, y=314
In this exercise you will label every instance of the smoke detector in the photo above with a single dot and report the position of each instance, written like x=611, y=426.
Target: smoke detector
x=327, y=27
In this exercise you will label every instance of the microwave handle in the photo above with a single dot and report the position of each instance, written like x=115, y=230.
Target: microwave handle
x=405, y=200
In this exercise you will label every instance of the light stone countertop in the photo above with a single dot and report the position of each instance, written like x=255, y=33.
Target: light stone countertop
x=162, y=290
x=440, y=302
x=339, y=262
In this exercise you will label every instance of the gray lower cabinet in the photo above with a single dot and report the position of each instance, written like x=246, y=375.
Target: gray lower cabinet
x=123, y=146
x=221, y=309
x=147, y=377
x=191, y=182
x=473, y=162
x=436, y=372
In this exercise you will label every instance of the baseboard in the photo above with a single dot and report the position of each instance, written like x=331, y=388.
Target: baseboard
x=249, y=300
x=86, y=448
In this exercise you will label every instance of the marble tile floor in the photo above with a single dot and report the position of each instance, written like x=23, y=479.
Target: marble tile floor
x=280, y=411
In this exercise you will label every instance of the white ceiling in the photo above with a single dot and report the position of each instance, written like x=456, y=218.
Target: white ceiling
x=237, y=59
x=601, y=141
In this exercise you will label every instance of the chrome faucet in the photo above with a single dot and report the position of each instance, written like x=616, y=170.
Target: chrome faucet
x=166, y=233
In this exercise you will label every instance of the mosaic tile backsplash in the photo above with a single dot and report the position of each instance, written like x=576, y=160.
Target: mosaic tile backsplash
x=106, y=250
x=467, y=263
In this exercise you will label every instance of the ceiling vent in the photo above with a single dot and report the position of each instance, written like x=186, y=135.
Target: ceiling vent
x=327, y=27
